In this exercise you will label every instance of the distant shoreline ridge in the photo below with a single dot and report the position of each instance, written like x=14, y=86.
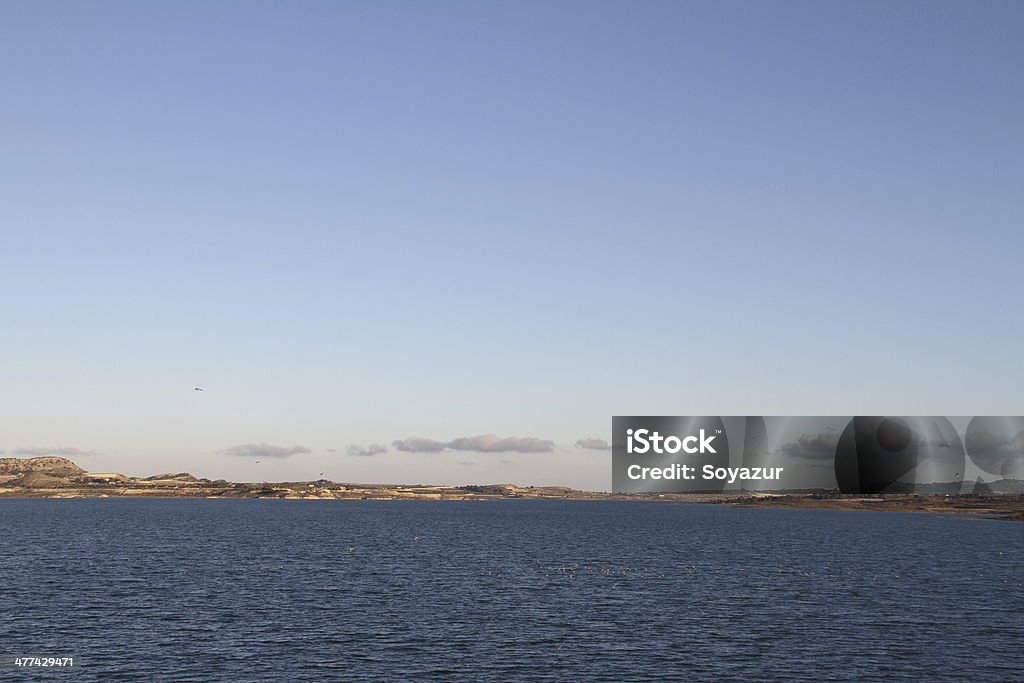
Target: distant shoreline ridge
x=57, y=477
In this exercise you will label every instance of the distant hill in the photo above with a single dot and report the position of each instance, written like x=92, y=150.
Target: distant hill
x=979, y=487
x=180, y=476
x=49, y=465
x=1007, y=486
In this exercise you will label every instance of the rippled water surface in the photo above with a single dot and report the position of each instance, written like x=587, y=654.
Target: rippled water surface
x=268, y=590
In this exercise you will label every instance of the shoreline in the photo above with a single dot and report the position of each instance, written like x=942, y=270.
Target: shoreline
x=999, y=507
x=59, y=478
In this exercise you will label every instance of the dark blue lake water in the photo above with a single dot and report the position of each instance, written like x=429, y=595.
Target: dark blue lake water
x=267, y=590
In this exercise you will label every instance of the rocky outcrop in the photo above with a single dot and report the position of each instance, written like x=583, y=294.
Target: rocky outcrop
x=51, y=465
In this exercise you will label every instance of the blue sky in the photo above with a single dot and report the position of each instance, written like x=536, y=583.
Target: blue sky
x=357, y=222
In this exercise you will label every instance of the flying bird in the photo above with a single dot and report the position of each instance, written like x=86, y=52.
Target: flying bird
x=198, y=388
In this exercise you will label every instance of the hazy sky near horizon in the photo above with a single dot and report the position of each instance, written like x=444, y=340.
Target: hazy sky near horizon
x=358, y=222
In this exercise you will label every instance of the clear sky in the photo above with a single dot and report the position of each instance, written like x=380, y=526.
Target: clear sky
x=357, y=222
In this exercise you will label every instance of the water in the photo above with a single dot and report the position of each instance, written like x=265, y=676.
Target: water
x=268, y=590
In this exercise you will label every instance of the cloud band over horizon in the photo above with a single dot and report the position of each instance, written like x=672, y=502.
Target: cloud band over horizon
x=264, y=450
x=482, y=443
